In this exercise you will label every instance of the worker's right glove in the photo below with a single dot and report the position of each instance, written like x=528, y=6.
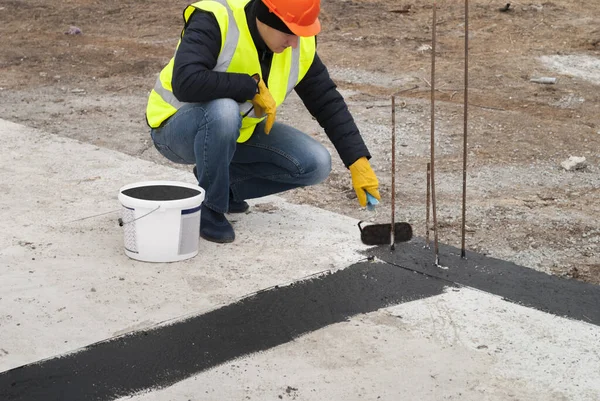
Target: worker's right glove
x=364, y=180
x=264, y=103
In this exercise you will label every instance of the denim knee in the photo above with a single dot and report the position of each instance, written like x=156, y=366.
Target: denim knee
x=224, y=116
x=317, y=165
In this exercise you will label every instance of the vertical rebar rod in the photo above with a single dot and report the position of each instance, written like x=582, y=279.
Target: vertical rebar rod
x=393, y=227
x=465, y=129
x=428, y=204
x=433, y=204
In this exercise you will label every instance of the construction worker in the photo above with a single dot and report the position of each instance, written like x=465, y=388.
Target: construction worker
x=214, y=105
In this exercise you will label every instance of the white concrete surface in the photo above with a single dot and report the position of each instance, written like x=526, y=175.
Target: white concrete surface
x=65, y=283
x=464, y=345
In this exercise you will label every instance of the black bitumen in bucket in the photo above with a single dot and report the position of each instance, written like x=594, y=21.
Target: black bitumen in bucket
x=161, y=192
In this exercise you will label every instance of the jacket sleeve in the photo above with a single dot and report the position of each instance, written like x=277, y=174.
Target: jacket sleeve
x=193, y=79
x=323, y=101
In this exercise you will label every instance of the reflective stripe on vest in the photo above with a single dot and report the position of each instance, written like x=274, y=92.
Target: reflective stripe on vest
x=238, y=54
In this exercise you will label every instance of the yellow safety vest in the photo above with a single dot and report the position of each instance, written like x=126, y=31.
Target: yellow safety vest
x=238, y=54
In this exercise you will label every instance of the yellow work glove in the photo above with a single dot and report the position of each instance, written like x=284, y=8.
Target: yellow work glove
x=264, y=104
x=364, y=180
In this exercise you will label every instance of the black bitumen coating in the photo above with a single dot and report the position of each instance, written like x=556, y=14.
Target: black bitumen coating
x=556, y=295
x=163, y=356
x=161, y=192
x=168, y=354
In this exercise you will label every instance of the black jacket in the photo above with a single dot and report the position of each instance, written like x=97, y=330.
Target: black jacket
x=194, y=81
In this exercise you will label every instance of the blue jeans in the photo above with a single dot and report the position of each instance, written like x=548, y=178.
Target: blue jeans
x=205, y=134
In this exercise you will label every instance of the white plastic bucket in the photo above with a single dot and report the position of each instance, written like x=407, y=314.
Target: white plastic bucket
x=161, y=220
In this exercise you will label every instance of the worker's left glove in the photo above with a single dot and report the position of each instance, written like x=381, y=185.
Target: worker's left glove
x=264, y=104
x=364, y=180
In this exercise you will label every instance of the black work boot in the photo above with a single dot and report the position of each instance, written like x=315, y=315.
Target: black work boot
x=215, y=227
x=237, y=206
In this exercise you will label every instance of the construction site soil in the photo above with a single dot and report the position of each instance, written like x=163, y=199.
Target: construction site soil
x=83, y=69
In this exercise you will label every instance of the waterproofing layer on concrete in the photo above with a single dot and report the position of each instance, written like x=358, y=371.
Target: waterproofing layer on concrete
x=277, y=325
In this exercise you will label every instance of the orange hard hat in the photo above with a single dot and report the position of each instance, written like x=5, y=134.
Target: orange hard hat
x=301, y=16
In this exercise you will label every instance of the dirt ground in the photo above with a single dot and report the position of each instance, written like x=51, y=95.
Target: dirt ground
x=522, y=205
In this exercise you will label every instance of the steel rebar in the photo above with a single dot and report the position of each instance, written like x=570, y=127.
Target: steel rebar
x=433, y=200
x=392, y=229
x=465, y=129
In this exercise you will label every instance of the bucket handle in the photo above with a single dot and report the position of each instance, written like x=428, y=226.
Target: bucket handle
x=122, y=223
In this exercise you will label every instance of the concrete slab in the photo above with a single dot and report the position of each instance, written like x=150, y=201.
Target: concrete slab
x=67, y=289
x=66, y=282
x=462, y=345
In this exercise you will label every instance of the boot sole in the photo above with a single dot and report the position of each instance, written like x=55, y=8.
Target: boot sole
x=218, y=240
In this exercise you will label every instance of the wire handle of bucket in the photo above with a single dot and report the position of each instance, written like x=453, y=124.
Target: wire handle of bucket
x=122, y=223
